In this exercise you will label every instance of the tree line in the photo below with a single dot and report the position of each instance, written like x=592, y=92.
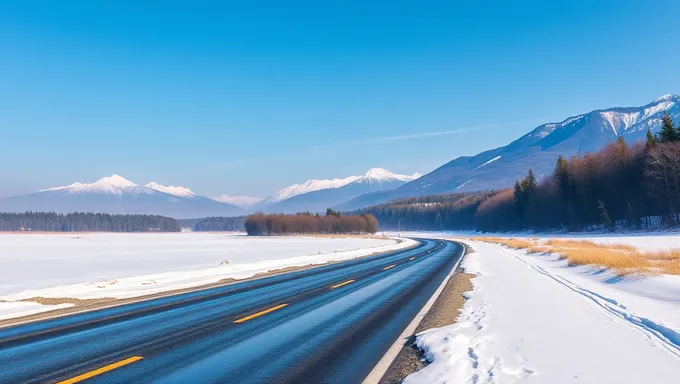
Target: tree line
x=333, y=222
x=85, y=222
x=429, y=213
x=221, y=224
x=636, y=186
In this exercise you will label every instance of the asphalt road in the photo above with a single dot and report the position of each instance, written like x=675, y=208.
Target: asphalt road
x=329, y=324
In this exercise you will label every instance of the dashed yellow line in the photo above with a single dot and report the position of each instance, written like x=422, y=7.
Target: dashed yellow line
x=254, y=315
x=390, y=267
x=342, y=284
x=101, y=370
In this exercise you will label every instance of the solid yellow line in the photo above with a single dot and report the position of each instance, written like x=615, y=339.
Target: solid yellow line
x=413, y=258
x=391, y=266
x=101, y=370
x=341, y=284
x=254, y=315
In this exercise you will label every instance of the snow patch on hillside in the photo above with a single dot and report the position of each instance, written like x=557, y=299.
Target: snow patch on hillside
x=489, y=162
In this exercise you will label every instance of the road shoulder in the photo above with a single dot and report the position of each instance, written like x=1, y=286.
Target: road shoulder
x=444, y=312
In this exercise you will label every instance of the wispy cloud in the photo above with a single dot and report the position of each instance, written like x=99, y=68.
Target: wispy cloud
x=413, y=136
x=424, y=134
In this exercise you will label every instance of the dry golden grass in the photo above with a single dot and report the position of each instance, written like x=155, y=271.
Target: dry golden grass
x=623, y=259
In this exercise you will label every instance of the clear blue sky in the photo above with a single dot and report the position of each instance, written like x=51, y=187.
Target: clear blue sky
x=247, y=97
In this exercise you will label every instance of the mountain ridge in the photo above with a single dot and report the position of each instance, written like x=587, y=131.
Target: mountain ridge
x=538, y=149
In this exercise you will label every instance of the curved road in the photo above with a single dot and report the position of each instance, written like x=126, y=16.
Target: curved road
x=329, y=324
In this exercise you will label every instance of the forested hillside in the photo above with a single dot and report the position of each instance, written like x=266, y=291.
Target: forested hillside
x=636, y=186
x=84, y=222
x=436, y=212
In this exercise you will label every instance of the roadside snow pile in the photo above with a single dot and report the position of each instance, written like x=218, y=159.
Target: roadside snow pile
x=128, y=265
x=24, y=308
x=531, y=318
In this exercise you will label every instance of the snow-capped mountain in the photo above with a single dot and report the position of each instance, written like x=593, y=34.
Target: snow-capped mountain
x=239, y=201
x=112, y=185
x=317, y=195
x=171, y=189
x=537, y=149
x=115, y=194
x=308, y=186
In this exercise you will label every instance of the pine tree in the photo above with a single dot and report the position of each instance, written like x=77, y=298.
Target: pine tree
x=668, y=132
x=561, y=176
x=529, y=183
x=652, y=141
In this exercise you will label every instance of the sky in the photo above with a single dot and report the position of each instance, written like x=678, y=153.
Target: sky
x=244, y=98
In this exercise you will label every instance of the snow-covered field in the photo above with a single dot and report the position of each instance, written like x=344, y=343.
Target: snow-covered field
x=532, y=318
x=107, y=265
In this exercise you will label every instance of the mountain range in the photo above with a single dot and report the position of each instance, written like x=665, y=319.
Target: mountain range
x=492, y=169
x=115, y=194
x=318, y=195
x=538, y=150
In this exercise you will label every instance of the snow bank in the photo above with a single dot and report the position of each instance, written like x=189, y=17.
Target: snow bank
x=87, y=266
x=532, y=318
x=24, y=308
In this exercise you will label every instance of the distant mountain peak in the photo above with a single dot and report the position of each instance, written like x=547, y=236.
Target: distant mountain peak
x=373, y=175
x=114, y=185
x=115, y=181
x=381, y=175
x=171, y=189
x=668, y=97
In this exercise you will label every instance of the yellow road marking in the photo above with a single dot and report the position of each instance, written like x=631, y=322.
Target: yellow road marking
x=341, y=284
x=101, y=370
x=391, y=266
x=413, y=258
x=254, y=315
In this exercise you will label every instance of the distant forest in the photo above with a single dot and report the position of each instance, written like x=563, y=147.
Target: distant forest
x=635, y=186
x=429, y=213
x=221, y=224
x=333, y=222
x=85, y=222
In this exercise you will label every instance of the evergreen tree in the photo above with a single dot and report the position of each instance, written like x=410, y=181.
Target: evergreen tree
x=652, y=141
x=668, y=132
x=529, y=183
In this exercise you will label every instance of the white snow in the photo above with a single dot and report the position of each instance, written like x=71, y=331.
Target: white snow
x=100, y=265
x=171, y=189
x=488, y=162
x=112, y=185
x=309, y=186
x=373, y=175
x=381, y=176
x=465, y=183
x=25, y=308
x=531, y=318
x=239, y=201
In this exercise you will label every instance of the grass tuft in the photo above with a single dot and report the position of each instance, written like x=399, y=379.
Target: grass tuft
x=621, y=258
